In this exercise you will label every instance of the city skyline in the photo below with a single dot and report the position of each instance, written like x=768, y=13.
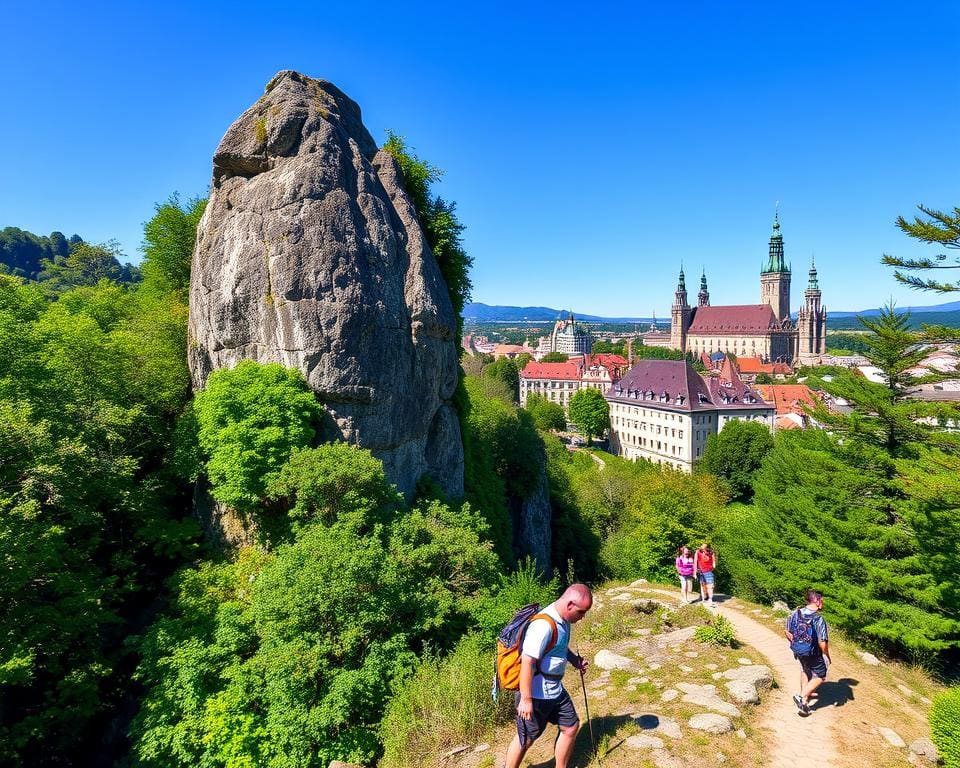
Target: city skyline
x=590, y=152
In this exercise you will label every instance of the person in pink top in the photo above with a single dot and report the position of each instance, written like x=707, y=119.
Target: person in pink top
x=684, y=564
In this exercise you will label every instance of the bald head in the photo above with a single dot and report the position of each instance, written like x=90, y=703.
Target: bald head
x=574, y=603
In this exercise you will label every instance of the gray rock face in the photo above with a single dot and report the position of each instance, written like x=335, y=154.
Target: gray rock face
x=310, y=255
x=533, y=523
x=742, y=692
x=609, y=660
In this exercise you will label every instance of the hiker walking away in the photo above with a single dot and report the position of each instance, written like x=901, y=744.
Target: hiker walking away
x=704, y=563
x=807, y=632
x=542, y=699
x=684, y=563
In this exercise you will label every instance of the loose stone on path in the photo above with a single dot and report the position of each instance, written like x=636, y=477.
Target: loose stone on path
x=711, y=723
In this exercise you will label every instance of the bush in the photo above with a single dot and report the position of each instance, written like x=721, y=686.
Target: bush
x=520, y=588
x=445, y=702
x=945, y=726
x=718, y=632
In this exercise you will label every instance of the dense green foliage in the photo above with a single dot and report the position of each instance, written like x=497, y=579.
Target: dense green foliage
x=848, y=343
x=505, y=456
x=545, y=415
x=439, y=221
x=287, y=657
x=734, y=455
x=507, y=371
x=168, y=240
x=608, y=347
x=249, y=420
x=90, y=518
x=866, y=512
x=590, y=412
x=945, y=726
x=554, y=357
x=22, y=253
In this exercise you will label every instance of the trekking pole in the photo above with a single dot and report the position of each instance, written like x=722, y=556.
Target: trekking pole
x=586, y=708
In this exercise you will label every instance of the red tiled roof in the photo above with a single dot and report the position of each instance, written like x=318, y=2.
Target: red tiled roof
x=534, y=370
x=784, y=423
x=607, y=360
x=753, y=365
x=788, y=398
x=740, y=318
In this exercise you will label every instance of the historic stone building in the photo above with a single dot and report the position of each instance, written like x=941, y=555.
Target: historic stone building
x=664, y=411
x=762, y=330
x=568, y=336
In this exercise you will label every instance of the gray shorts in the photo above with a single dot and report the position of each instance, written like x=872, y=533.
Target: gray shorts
x=559, y=711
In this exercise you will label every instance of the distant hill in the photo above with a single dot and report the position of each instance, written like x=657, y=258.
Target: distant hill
x=950, y=306
x=486, y=313
x=918, y=317
x=22, y=253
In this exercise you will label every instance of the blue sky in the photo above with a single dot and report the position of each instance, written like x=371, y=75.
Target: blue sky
x=590, y=147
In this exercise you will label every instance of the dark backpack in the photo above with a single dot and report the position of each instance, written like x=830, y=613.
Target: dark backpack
x=803, y=629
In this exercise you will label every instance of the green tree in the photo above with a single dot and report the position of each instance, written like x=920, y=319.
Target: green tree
x=940, y=228
x=735, y=454
x=250, y=420
x=168, y=241
x=85, y=265
x=545, y=415
x=590, y=412
x=554, y=357
x=763, y=378
x=288, y=657
x=506, y=371
x=439, y=220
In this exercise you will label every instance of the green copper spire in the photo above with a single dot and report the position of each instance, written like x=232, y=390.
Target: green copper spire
x=682, y=285
x=812, y=282
x=775, y=262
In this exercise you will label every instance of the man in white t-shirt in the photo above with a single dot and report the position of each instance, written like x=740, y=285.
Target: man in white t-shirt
x=542, y=699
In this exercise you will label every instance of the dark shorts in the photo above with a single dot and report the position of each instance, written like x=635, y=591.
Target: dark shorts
x=559, y=711
x=813, y=666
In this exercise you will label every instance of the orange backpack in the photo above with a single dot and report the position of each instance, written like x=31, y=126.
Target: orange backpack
x=509, y=647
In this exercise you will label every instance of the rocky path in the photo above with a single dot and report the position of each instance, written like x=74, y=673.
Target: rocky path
x=797, y=740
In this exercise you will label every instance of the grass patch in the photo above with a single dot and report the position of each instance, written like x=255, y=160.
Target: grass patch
x=260, y=130
x=688, y=616
x=444, y=703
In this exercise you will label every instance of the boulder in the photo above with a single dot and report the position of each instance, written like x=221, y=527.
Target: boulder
x=644, y=741
x=757, y=675
x=706, y=696
x=650, y=721
x=742, y=692
x=925, y=749
x=310, y=255
x=868, y=658
x=609, y=660
x=892, y=737
x=781, y=607
x=711, y=723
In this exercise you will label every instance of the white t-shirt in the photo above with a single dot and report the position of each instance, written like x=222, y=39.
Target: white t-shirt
x=535, y=642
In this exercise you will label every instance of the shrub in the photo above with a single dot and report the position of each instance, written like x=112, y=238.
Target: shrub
x=718, y=632
x=945, y=726
x=520, y=588
x=445, y=702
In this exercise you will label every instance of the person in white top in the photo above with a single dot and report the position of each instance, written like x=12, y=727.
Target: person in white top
x=542, y=699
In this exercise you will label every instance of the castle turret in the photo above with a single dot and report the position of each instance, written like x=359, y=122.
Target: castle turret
x=680, y=316
x=812, y=319
x=775, y=276
x=703, y=298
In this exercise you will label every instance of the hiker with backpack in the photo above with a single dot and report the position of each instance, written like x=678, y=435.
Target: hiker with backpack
x=540, y=642
x=809, y=640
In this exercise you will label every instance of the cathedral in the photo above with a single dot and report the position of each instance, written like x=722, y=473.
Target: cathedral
x=763, y=330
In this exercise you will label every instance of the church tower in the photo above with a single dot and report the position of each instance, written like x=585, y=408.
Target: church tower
x=680, y=316
x=703, y=298
x=775, y=276
x=812, y=319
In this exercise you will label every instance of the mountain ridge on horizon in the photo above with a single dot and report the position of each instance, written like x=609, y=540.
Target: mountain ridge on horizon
x=480, y=312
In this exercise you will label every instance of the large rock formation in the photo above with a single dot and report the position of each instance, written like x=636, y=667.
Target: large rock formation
x=310, y=255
